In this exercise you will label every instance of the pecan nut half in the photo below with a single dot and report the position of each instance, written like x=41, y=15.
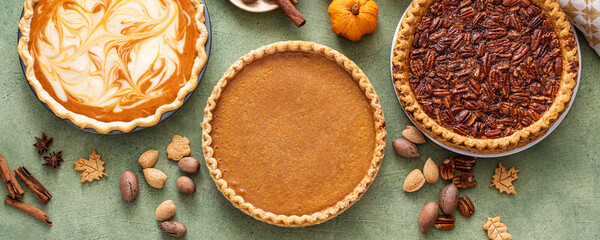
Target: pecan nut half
x=465, y=206
x=444, y=222
x=464, y=180
x=447, y=168
x=464, y=163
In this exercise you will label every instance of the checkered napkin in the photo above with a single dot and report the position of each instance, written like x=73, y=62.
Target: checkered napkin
x=585, y=15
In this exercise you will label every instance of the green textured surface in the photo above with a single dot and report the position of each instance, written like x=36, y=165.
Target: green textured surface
x=558, y=186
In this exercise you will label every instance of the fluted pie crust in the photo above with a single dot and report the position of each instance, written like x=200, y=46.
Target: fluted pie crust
x=401, y=54
x=83, y=121
x=208, y=138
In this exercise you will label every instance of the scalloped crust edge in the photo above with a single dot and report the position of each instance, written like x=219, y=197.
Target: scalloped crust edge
x=401, y=52
x=83, y=121
x=379, y=124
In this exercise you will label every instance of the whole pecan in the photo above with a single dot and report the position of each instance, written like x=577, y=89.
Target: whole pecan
x=465, y=206
x=444, y=222
x=464, y=163
x=464, y=180
x=447, y=168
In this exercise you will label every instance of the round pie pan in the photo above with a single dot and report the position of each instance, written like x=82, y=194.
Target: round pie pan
x=164, y=115
x=467, y=153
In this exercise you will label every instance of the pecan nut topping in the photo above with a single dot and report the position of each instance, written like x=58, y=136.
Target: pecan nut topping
x=447, y=168
x=464, y=180
x=465, y=206
x=485, y=69
x=464, y=163
x=444, y=222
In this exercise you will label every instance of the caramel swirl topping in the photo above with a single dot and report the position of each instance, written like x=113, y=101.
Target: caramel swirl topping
x=113, y=60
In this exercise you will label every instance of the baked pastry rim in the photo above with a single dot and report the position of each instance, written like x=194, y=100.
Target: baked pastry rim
x=401, y=53
x=83, y=121
x=349, y=199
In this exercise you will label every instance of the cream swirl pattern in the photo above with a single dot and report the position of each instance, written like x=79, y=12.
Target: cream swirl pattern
x=113, y=60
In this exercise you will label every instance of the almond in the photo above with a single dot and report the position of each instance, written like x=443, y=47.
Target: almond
x=165, y=211
x=148, y=158
x=431, y=172
x=414, y=181
x=155, y=178
x=413, y=134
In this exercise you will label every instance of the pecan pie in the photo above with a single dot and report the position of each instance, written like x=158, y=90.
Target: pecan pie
x=486, y=76
x=113, y=64
x=293, y=134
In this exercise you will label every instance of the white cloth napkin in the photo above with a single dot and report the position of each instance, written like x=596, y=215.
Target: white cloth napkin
x=585, y=15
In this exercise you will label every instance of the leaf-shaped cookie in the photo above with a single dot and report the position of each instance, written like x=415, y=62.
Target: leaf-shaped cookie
x=496, y=229
x=503, y=179
x=92, y=169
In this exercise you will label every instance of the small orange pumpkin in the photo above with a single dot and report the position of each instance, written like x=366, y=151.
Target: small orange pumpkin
x=353, y=18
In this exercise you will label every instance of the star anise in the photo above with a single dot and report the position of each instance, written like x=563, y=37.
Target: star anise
x=53, y=160
x=42, y=144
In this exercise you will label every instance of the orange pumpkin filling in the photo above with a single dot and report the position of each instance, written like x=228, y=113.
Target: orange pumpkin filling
x=293, y=133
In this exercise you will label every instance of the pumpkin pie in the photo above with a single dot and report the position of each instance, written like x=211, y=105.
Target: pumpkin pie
x=113, y=65
x=485, y=76
x=293, y=133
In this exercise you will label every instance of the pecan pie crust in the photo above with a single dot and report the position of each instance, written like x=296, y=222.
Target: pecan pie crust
x=517, y=116
x=275, y=188
x=145, y=114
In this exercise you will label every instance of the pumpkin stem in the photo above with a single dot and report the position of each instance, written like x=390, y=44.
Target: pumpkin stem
x=355, y=9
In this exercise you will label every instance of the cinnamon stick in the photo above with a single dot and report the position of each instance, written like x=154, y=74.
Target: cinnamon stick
x=291, y=11
x=14, y=189
x=34, y=185
x=294, y=2
x=31, y=210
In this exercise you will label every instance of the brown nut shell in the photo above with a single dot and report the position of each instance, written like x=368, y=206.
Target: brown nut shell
x=449, y=199
x=431, y=172
x=414, y=181
x=128, y=184
x=405, y=148
x=428, y=215
x=413, y=134
x=186, y=185
x=189, y=165
x=173, y=228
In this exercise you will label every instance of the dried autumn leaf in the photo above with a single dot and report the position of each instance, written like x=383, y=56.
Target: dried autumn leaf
x=503, y=179
x=92, y=169
x=496, y=229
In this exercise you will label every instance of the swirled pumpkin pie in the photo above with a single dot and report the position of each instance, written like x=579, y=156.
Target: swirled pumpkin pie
x=293, y=133
x=486, y=76
x=113, y=64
